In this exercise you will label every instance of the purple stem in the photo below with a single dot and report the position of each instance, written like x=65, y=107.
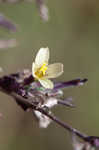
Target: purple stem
x=75, y=82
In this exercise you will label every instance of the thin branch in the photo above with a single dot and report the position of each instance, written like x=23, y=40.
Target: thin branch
x=30, y=104
x=62, y=124
x=19, y=86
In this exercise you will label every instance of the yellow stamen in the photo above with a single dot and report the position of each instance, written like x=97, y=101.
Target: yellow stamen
x=41, y=71
x=43, y=68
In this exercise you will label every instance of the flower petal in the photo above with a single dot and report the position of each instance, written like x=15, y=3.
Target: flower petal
x=42, y=57
x=48, y=84
x=54, y=70
x=34, y=67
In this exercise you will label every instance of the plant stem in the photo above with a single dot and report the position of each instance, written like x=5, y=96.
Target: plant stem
x=29, y=103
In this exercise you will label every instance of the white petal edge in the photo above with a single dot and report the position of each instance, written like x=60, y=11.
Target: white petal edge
x=48, y=84
x=51, y=102
x=34, y=69
x=54, y=70
x=44, y=121
x=42, y=56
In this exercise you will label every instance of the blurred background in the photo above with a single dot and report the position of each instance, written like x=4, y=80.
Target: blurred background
x=72, y=35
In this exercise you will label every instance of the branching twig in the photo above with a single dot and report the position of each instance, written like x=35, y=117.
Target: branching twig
x=20, y=85
x=30, y=104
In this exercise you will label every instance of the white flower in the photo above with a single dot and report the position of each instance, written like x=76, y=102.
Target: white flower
x=42, y=71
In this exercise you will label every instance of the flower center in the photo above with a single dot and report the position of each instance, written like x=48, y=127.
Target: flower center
x=41, y=71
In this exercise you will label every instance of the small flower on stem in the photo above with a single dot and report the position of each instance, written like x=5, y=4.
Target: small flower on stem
x=41, y=71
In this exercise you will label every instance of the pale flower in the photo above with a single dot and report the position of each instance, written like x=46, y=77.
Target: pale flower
x=42, y=71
